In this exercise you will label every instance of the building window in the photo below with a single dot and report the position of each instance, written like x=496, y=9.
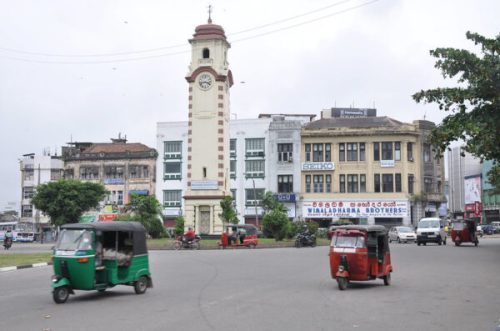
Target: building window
x=233, y=195
x=26, y=211
x=352, y=183
x=387, y=150
x=376, y=151
x=28, y=174
x=254, y=146
x=411, y=180
x=172, y=149
x=362, y=183
x=317, y=152
x=308, y=152
x=232, y=148
x=318, y=183
x=119, y=200
x=285, y=183
x=409, y=151
x=387, y=183
x=138, y=171
x=377, y=182
x=328, y=152
x=172, y=170
x=398, y=182
x=397, y=151
x=438, y=187
x=308, y=183
x=428, y=185
x=285, y=152
x=56, y=174
x=206, y=53
x=232, y=168
x=115, y=197
x=328, y=180
x=254, y=168
x=341, y=152
x=69, y=173
x=172, y=198
x=93, y=172
x=28, y=192
x=362, y=151
x=342, y=183
x=352, y=151
x=254, y=196
x=427, y=153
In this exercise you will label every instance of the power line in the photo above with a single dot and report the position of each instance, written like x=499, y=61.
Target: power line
x=184, y=45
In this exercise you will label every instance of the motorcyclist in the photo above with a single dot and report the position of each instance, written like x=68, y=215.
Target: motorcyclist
x=189, y=235
x=7, y=242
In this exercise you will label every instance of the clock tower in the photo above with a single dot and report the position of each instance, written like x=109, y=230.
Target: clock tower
x=209, y=80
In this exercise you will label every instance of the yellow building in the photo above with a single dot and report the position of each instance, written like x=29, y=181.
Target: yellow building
x=368, y=169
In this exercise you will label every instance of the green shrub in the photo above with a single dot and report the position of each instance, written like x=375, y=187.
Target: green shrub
x=275, y=224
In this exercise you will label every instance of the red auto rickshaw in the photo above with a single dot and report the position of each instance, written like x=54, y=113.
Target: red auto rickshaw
x=239, y=235
x=464, y=231
x=359, y=253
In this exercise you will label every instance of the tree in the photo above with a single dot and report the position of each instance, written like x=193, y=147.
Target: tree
x=66, y=200
x=228, y=214
x=473, y=106
x=275, y=224
x=147, y=211
x=270, y=203
x=179, y=225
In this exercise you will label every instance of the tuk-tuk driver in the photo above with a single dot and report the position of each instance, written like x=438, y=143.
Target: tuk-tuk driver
x=189, y=235
x=234, y=236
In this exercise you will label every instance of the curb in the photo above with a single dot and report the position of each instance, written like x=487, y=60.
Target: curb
x=26, y=266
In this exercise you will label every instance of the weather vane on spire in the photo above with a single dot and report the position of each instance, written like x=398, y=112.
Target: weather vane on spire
x=209, y=14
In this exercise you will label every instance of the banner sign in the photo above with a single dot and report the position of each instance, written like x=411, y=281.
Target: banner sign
x=285, y=197
x=318, y=166
x=204, y=185
x=355, y=208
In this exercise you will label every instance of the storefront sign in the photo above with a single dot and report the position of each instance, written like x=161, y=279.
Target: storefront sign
x=172, y=211
x=114, y=181
x=204, y=185
x=285, y=197
x=355, y=208
x=387, y=163
x=107, y=217
x=318, y=166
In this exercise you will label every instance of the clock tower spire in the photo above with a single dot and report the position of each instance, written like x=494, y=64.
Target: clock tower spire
x=209, y=80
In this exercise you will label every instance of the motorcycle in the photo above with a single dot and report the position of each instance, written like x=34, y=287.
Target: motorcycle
x=7, y=243
x=182, y=243
x=305, y=239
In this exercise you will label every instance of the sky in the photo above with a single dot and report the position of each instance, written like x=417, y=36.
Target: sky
x=89, y=70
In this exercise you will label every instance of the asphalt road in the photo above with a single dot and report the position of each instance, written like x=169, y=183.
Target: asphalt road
x=433, y=288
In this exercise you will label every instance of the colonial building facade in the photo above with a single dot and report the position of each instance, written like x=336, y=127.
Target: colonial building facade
x=369, y=169
x=123, y=168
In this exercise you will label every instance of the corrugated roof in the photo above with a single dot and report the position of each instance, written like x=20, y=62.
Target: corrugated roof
x=356, y=122
x=117, y=148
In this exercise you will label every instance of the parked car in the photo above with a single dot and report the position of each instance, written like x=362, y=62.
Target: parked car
x=496, y=227
x=402, y=234
x=488, y=229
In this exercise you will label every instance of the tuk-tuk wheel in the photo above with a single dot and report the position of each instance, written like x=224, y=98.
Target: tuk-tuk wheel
x=342, y=282
x=141, y=285
x=387, y=279
x=60, y=294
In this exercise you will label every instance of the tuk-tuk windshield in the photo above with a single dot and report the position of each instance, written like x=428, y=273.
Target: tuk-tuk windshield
x=73, y=240
x=457, y=225
x=348, y=241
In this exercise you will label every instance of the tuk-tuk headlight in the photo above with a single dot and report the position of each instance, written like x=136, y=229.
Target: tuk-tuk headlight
x=341, y=268
x=55, y=278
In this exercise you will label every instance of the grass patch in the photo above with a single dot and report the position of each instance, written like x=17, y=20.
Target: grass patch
x=17, y=259
x=167, y=243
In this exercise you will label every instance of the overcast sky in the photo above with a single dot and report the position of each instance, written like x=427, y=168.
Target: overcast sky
x=86, y=70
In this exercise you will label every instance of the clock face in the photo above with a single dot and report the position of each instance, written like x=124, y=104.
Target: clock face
x=205, y=81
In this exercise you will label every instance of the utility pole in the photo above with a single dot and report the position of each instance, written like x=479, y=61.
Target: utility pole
x=37, y=213
x=255, y=204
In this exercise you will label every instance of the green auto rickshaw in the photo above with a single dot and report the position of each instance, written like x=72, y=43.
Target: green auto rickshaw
x=97, y=256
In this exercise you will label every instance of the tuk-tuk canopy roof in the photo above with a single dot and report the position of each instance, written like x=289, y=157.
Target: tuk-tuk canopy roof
x=249, y=228
x=366, y=228
x=108, y=226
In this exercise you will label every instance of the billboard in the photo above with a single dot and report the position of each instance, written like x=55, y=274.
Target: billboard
x=472, y=189
x=355, y=208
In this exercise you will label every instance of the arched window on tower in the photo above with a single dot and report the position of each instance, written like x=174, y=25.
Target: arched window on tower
x=206, y=53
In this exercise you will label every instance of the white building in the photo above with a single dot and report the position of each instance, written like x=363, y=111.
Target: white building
x=459, y=168
x=36, y=170
x=264, y=155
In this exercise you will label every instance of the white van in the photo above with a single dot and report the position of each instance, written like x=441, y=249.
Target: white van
x=431, y=229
